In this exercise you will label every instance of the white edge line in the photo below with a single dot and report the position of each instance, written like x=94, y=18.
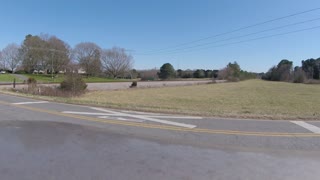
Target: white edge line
x=176, y=117
x=86, y=113
x=36, y=102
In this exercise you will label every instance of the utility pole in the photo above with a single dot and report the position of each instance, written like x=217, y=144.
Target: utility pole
x=51, y=65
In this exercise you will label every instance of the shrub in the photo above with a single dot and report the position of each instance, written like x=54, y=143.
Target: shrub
x=134, y=84
x=32, y=85
x=32, y=81
x=312, y=81
x=73, y=83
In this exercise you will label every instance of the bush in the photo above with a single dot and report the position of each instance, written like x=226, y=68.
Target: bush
x=32, y=85
x=21, y=72
x=134, y=84
x=312, y=81
x=73, y=83
x=32, y=81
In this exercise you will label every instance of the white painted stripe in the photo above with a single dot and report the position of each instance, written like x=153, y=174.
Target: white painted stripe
x=86, y=113
x=176, y=117
x=93, y=113
x=147, y=118
x=144, y=113
x=122, y=119
x=104, y=117
x=35, y=102
x=308, y=126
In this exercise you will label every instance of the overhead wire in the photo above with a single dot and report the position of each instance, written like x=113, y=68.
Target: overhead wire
x=249, y=40
x=237, y=37
x=236, y=30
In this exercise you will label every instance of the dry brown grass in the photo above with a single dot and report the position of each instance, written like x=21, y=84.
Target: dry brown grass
x=247, y=99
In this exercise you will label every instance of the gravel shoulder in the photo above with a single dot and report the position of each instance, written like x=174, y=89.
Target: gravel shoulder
x=125, y=85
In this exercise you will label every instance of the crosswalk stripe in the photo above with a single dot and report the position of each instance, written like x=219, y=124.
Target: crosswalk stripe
x=308, y=126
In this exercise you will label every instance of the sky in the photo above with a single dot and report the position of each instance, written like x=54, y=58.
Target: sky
x=166, y=31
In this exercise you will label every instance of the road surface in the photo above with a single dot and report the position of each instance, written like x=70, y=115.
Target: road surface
x=53, y=141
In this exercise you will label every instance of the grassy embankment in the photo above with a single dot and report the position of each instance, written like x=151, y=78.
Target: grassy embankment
x=246, y=99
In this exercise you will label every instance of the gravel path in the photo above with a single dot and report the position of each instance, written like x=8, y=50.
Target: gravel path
x=149, y=84
x=126, y=85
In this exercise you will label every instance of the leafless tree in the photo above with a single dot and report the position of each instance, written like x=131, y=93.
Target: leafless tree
x=10, y=56
x=116, y=61
x=59, y=53
x=44, y=52
x=1, y=60
x=33, y=51
x=87, y=54
x=149, y=74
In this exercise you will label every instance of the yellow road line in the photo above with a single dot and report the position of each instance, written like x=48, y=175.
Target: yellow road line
x=165, y=127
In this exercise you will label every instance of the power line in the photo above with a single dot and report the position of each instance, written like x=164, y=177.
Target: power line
x=249, y=40
x=239, y=29
x=237, y=37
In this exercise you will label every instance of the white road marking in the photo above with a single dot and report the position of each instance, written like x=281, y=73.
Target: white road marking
x=144, y=113
x=122, y=119
x=92, y=113
x=104, y=117
x=146, y=118
x=86, y=113
x=177, y=117
x=308, y=126
x=35, y=102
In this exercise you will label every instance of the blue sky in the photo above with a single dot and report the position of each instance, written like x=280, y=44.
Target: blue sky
x=145, y=26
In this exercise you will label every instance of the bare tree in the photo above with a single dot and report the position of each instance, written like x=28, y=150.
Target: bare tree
x=44, y=52
x=59, y=53
x=1, y=60
x=32, y=51
x=116, y=61
x=87, y=54
x=10, y=56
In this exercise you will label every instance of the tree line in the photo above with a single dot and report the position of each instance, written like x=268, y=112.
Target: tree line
x=50, y=54
x=284, y=71
x=232, y=72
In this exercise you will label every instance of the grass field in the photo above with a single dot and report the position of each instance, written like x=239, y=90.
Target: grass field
x=247, y=99
x=8, y=78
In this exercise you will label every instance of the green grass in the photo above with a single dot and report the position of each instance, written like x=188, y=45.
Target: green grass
x=46, y=78
x=247, y=99
x=8, y=78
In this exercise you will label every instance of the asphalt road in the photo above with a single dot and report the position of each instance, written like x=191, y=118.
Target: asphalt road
x=45, y=140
